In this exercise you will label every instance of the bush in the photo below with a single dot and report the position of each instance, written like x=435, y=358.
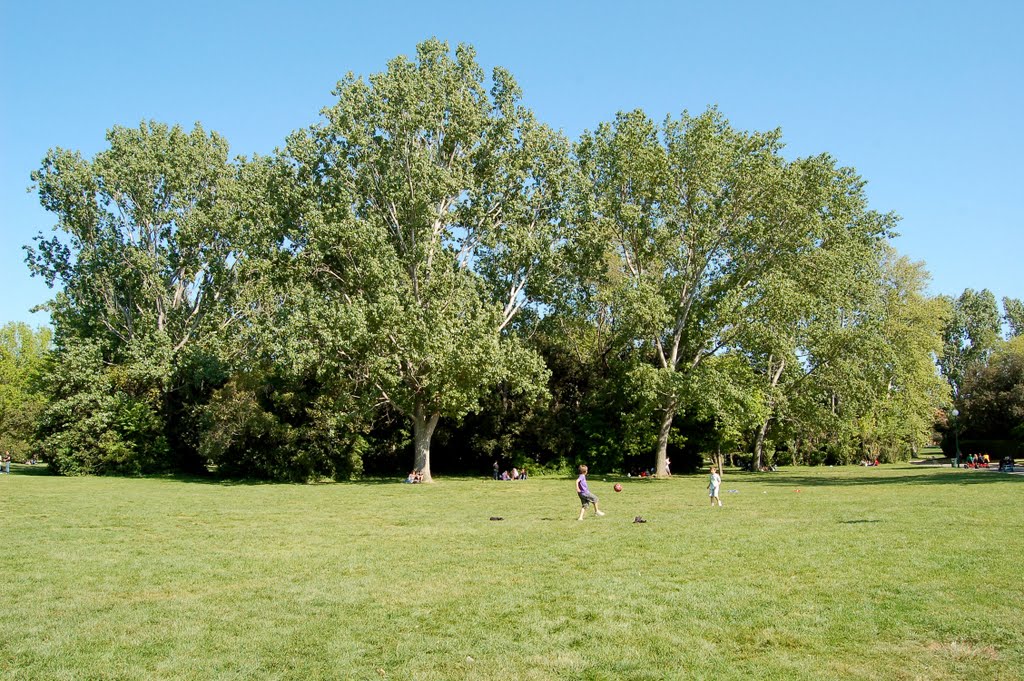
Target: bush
x=101, y=419
x=252, y=430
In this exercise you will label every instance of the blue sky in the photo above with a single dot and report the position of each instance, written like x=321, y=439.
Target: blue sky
x=925, y=99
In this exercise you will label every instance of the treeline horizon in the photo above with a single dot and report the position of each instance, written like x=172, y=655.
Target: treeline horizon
x=430, y=278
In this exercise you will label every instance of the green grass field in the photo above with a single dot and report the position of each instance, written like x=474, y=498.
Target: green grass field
x=901, y=572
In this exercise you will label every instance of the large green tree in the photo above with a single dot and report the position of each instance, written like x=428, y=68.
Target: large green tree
x=892, y=388
x=427, y=214
x=971, y=332
x=865, y=383
x=699, y=222
x=145, y=259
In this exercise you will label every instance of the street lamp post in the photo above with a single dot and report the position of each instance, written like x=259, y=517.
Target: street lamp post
x=956, y=436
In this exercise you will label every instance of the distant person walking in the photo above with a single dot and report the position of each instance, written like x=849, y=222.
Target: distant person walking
x=497, y=469
x=713, y=484
x=7, y=462
x=586, y=496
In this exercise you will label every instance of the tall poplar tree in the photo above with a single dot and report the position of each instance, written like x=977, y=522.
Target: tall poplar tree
x=701, y=221
x=428, y=214
x=971, y=332
x=144, y=259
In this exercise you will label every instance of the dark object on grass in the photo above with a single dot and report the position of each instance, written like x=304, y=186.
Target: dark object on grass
x=496, y=517
x=639, y=519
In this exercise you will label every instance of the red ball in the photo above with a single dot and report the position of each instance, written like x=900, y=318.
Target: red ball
x=617, y=487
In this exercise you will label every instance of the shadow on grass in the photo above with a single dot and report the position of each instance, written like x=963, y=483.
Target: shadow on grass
x=30, y=469
x=254, y=482
x=909, y=475
x=220, y=481
x=214, y=479
x=883, y=477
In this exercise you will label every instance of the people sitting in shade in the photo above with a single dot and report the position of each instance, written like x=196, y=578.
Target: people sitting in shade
x=505, y=475
x=977, y=460
x=415, y=476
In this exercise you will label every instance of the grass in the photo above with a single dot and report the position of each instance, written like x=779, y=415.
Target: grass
x=901, y=572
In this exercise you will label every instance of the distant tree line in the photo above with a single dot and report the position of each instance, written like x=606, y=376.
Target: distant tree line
x=431, y=278
x=985, y=374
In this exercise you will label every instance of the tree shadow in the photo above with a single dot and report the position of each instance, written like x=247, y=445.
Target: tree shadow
x=213, y=479
x=30, y=469
x=874, y=476
x=256, y=482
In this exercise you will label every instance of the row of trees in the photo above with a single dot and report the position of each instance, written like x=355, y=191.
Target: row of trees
x=430, y=263
x=23, y=352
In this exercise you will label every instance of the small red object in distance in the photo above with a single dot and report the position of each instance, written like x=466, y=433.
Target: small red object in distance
x=617, y=488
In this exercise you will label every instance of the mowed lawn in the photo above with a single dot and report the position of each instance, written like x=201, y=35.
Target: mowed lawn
x=902, y=572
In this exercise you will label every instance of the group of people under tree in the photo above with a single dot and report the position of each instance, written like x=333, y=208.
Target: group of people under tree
x=513, y=474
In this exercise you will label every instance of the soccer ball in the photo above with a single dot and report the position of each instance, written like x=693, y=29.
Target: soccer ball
x=617, y=488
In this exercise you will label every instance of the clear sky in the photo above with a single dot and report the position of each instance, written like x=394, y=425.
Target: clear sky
x=925, y=99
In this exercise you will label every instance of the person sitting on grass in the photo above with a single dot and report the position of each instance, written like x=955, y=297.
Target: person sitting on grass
x=586, y=496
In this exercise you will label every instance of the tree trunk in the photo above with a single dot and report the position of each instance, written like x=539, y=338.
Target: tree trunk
x=423, y=429
x=759, y=446
x=763, y=430
x=666, y=427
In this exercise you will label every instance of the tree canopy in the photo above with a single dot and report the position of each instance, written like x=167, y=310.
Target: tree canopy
x=429, y=262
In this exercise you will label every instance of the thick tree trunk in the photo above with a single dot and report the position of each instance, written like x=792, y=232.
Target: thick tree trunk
x=423, y=429
x=666, y=427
